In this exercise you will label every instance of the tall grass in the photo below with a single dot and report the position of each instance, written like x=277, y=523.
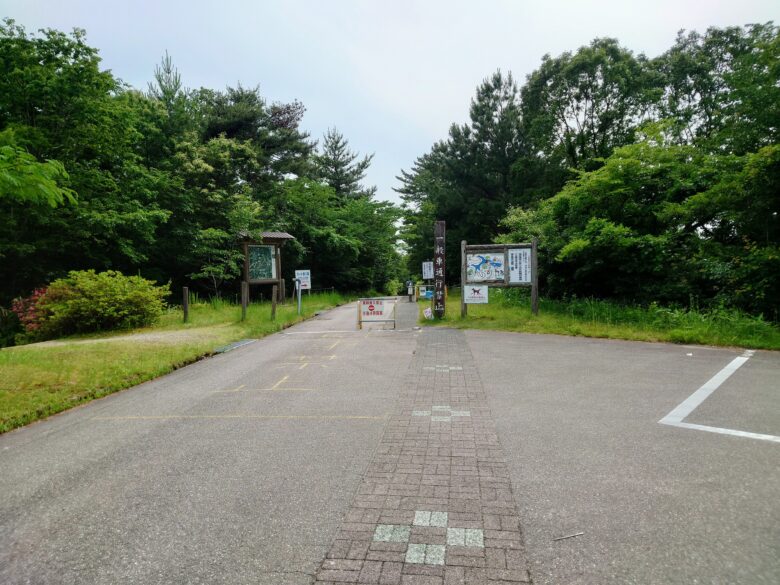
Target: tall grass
x=509, y=309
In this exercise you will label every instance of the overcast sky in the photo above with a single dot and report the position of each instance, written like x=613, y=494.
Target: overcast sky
x=392, y=75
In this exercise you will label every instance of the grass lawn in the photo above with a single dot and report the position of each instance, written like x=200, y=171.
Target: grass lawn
x=42, y=379
x=592, y=318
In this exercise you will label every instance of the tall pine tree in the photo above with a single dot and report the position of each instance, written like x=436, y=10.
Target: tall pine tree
x=340, y=168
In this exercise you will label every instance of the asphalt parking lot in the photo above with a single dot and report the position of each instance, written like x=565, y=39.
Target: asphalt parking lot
x=579, y=421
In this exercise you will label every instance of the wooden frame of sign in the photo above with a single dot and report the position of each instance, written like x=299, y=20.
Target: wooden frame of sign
x=269, y=247
x=519, y=270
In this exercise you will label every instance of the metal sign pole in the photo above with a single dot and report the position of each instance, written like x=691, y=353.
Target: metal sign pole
x=463, y=306
x=298, y=291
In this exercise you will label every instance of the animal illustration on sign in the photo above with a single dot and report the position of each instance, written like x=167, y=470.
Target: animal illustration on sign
x=476, y=292
x=482, y=267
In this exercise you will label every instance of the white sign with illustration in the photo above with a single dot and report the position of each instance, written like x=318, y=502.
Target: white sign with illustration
x=485, y=267
x=519, y=265
x=476, y=294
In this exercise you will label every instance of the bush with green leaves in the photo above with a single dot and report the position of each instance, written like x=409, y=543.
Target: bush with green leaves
x=86, y=301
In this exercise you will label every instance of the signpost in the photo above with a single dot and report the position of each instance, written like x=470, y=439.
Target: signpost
x=263, y=259
x=439, y=269
x=498, y=265
x=304, y=276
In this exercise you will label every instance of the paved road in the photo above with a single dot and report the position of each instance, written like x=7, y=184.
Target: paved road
x=415, y=457
x=237, y=469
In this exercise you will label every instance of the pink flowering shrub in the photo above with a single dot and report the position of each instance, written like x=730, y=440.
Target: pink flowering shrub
x=31, y=313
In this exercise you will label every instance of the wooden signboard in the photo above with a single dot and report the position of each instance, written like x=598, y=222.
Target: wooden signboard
x=263, y=260
x=501, y=266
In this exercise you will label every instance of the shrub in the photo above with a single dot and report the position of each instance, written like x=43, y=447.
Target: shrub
x=393, y=287
x=30, y=313
x=87, y=301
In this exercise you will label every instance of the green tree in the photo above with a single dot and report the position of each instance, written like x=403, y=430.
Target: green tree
x=338, y=167
x=62, y=107
x=578, y=107
x=721, y=87
x=468, y=180
x=26, y=180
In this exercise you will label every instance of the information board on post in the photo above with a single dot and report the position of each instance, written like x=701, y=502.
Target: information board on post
x=304, y=276
x=427, y=270
x=262, y=263
x=497, y=265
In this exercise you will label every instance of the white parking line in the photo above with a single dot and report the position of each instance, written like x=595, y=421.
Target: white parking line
x=676, y=417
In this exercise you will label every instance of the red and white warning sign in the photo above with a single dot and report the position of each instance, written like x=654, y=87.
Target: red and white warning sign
x=372, y=308
x=376, y=310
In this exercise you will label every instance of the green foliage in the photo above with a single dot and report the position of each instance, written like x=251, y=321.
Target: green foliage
x=509, y=310
x=338, y=167
x=24, y=179
x=168, y=181
x=643, y=179
x=87, y=301
x=393, y=287
x=10, y=327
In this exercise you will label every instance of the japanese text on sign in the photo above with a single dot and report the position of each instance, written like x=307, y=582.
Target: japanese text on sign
x=305, y=277
x=427, y=270
x=439, y=263
x=519, y=265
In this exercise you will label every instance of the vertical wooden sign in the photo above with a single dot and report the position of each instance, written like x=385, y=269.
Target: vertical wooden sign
x=439, y=269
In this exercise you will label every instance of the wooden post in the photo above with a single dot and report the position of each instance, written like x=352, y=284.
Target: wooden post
x=439, y=268
x=244, y=298
x=279, y=273
x=274, y=298
x=282, y=292
x=534, y=278
x=463, y=306
x=185, y=302
x=360, y=316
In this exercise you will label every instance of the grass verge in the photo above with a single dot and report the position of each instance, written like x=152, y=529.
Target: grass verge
x=39, y=380
x=509, y=310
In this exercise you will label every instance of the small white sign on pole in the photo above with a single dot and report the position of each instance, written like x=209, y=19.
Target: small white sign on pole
x=305, y=277
x=476, y=294
x=427, y=270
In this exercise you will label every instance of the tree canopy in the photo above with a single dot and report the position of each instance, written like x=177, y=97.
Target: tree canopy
x=645, y=179
x=97, y=175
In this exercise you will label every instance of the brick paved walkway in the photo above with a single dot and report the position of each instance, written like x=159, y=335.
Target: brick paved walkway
x=435, y=506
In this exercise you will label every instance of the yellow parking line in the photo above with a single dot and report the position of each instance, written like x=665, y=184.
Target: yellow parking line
x=229, y=391
x=280, y=382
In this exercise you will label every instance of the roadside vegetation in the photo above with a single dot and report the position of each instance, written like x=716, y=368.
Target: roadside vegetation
x=509, y=310
x=42, y=379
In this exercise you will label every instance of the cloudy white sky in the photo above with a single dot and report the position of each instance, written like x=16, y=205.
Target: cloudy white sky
x=391, y=75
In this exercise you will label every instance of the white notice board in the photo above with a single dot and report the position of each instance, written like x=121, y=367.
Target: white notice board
x=427, y=270
x=305, y=277
x=519, y=265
